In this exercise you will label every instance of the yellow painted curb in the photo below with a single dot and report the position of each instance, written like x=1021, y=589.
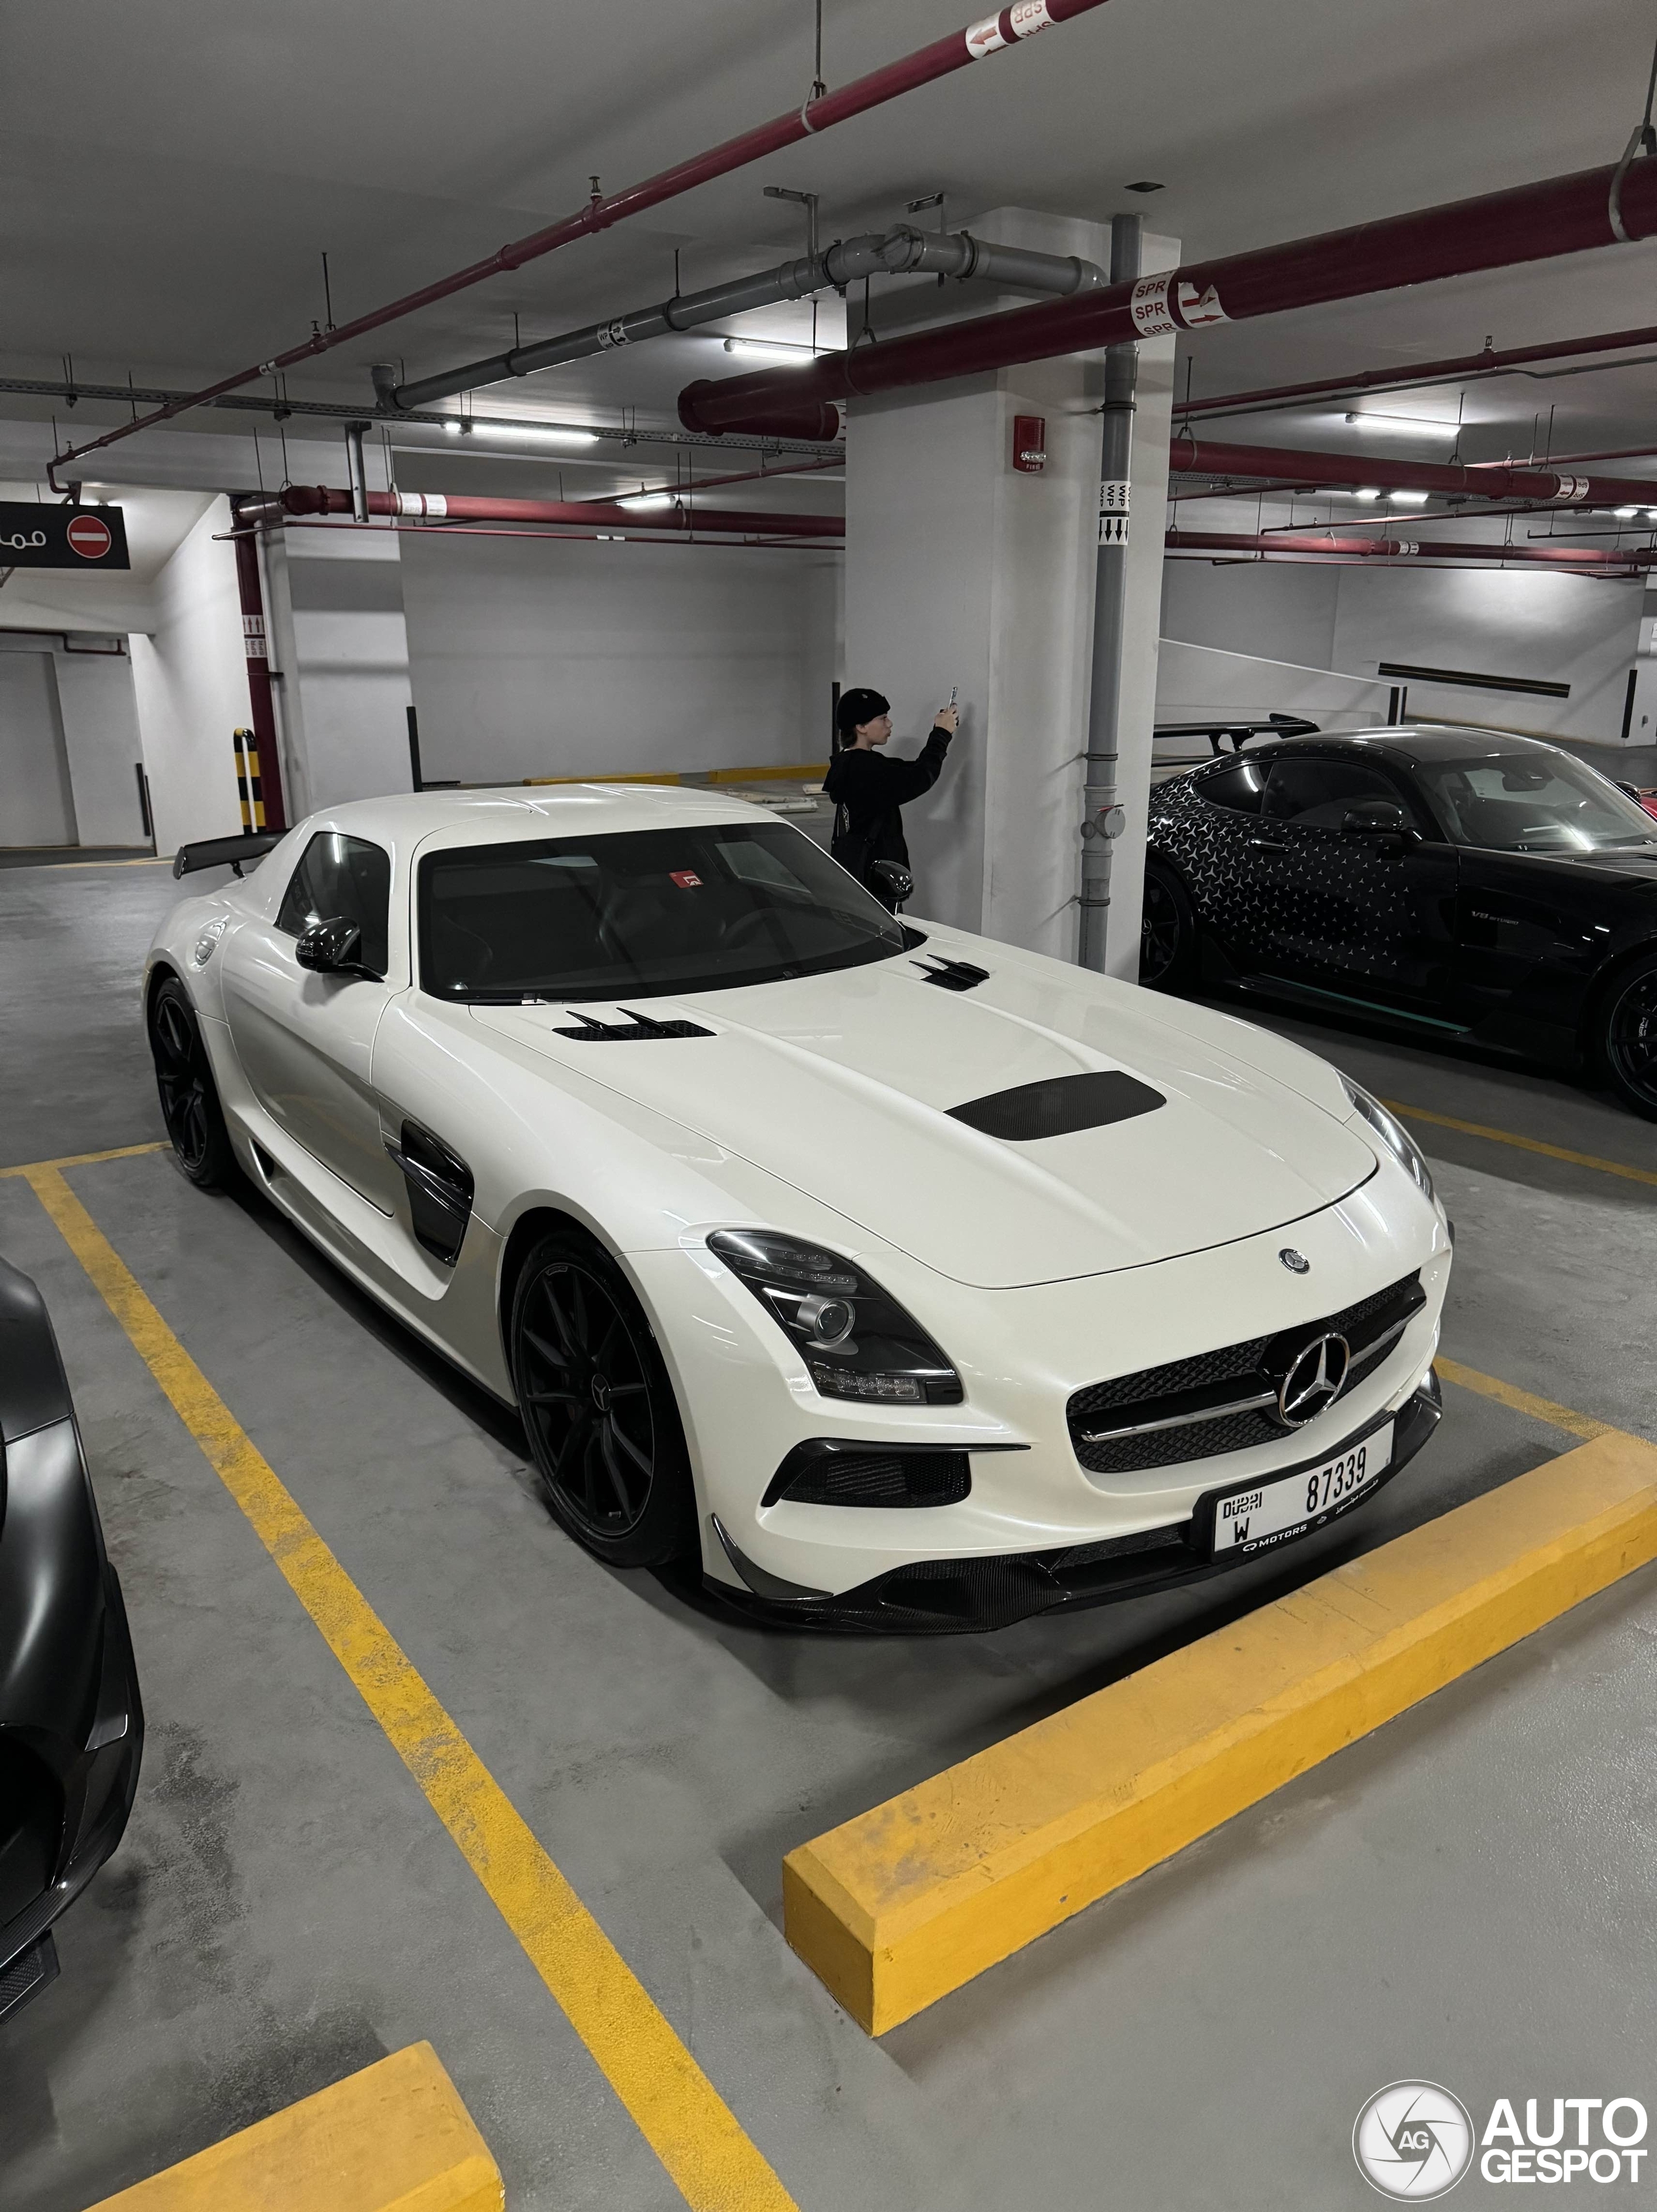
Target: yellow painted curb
x=394, y=2138
x=896, y=1908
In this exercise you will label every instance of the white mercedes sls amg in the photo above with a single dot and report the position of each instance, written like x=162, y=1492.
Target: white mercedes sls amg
x=897, y=1278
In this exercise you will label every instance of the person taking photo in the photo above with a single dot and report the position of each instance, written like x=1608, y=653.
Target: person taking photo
x=870, y=792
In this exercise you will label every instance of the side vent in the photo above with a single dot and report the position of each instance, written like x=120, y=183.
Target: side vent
x=440, y=1191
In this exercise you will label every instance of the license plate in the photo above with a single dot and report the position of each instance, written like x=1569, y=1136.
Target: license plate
x=1291, y=1505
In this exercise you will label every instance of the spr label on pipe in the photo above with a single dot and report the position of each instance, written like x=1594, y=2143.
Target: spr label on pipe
x=1022, y=21
x=1163, y=305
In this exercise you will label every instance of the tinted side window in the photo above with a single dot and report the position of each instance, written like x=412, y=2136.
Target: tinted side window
x=342, y=877
x=1238, y=787
x=1316, y=794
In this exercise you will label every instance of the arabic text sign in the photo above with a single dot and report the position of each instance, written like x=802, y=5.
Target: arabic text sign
x=33, y=537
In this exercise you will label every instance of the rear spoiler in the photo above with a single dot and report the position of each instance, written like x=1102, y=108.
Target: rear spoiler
x=225, y=852
x=1241, y=730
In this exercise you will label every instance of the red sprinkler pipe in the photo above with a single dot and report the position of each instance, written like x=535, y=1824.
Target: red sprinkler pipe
x=1498, y=230
x=1304, y=545
x=942, y=58
x=1490, y=362
x=1188, y=456
x=448, y=507
x=256, y=647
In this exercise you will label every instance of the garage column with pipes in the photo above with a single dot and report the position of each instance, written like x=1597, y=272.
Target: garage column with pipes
x=970, y=564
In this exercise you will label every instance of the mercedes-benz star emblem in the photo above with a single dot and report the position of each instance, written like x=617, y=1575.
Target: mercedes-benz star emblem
x=1314, y=1380
x=1297, y=1262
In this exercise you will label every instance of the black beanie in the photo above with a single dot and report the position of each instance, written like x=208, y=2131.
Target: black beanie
x=859, y=706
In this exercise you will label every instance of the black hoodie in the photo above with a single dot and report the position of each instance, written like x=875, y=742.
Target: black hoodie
x=868, y=791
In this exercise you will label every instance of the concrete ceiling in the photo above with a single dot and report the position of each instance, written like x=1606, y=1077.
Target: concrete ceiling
x=172, y=173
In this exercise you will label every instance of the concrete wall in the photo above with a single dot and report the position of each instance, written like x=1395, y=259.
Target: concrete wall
x=1571, y=629
x=69, y=741
x=37, y=806
x=567, y=658
x=191, y=681
x=99, y=708
x=333, y=606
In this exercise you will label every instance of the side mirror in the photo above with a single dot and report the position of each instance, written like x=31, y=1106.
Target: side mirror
x=331, y=948
x=896, y=879
x=1375, y=817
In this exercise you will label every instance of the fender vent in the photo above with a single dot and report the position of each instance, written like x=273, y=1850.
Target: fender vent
x=440, y=1186
x=1059, y=1107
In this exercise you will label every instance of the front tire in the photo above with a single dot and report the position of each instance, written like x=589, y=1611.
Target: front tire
x=597, y=1406
x=188, y=1096
x=1624, y=1037
x=1168, y=931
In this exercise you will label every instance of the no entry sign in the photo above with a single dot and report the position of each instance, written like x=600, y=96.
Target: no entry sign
x=84, y=538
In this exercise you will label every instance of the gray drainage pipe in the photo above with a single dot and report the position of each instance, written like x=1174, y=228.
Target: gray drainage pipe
x=900, y=252
x=1102, y=814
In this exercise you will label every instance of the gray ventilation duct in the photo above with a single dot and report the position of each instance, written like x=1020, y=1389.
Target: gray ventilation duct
x=902, y=252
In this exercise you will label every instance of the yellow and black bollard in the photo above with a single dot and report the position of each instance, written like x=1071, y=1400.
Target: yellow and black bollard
x=248, y=787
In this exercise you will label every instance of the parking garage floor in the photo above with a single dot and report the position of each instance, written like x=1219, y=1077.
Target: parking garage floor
x=1463, y=1897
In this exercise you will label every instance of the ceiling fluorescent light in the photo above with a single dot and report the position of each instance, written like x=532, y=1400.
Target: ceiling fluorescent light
x=454, y=427
x=1372, y=418
x=647, y=499
x=1626, y=513
x=1369, y=491
x=1408, y=498
x=527, y=434
x=770, y=348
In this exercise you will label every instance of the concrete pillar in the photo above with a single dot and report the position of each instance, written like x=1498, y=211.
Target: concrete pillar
x=963, y=570
x=1142, y=612
x=339, y=646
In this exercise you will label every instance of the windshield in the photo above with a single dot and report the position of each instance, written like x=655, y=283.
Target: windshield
x=635, y=913
x=1533, y=802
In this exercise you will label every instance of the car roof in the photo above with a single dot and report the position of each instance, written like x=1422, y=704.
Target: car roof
x=512, y=814
x=1413, y=744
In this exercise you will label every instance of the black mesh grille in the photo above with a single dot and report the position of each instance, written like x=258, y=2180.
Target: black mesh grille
x=852, y=1477
x=1236, y=1371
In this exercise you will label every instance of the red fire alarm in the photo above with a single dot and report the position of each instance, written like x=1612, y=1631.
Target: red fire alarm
x=1029, y=442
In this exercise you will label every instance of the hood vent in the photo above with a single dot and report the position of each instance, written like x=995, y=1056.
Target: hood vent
x=635, y=1025
x=1059, y=1107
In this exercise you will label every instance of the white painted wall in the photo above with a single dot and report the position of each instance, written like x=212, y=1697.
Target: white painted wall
x=1524, y=622
x=37, y=806
x=574, y=657
x=190, y=678
x=333, y=606
x=1578, y=630
x=100, y=714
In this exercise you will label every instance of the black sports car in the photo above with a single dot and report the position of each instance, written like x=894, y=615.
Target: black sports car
x=1457, y=884
x=71, y=1727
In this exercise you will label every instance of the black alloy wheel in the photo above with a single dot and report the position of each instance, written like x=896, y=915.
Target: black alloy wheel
x=599, y=1408
x=1168, y=930
x=190, y=1099
x=1627, y=1038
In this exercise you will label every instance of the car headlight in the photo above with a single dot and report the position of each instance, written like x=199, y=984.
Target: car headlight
x=1392, y=1133
x=857, y=1340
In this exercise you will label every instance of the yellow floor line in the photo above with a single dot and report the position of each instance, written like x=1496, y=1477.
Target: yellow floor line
x=84, y=1159
x=1521, y=1143
x=712, y=2161
x=905, y=1903
x=1526, y=1401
